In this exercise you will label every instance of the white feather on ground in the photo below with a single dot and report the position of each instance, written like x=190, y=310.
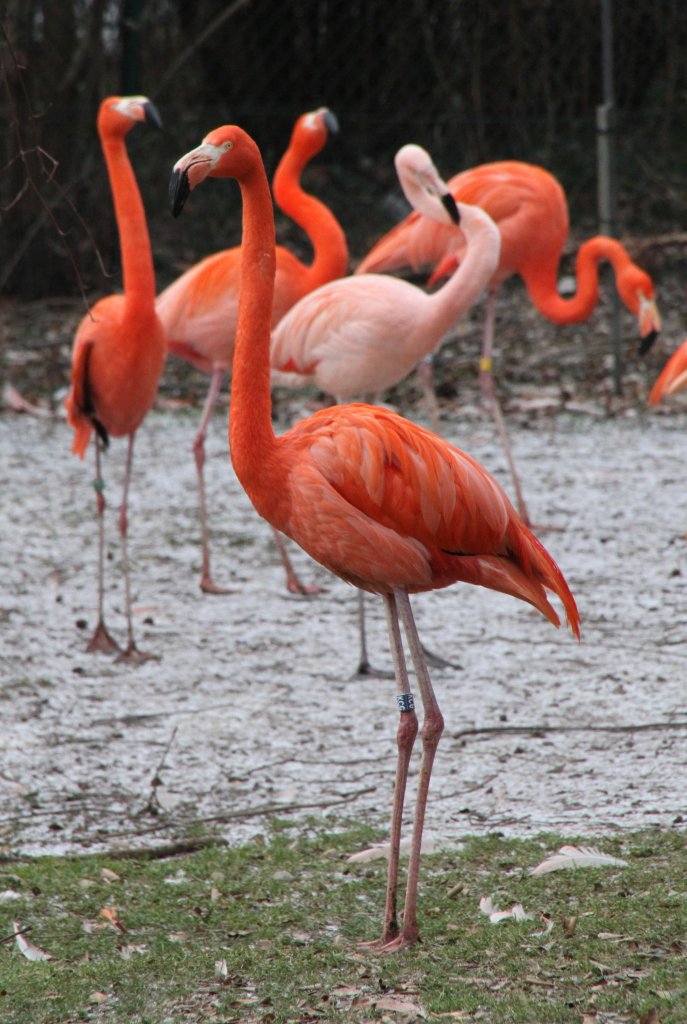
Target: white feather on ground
x=577, y=857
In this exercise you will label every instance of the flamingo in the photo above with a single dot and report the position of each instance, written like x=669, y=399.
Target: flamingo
x=120, y=347
x=199, y=309
x=672, y=377
x=361, y=335
x=381, y=502
x=529, y=206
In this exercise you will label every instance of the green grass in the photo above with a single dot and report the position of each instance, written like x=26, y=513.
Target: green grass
x=286, y=915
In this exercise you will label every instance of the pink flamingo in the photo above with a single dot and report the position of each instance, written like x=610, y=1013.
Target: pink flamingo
x=529, y=207
x=386, y=505
x=199, y=309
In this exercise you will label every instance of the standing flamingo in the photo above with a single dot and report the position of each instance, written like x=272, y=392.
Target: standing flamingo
x=529, y=207
x=673, y=376
x=361, y=335
x=119, y=348
x=382, y=503
x=199, y=309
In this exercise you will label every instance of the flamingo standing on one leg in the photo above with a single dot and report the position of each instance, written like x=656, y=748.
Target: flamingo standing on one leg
x=120, y=347
x=358, y=336
x=529, y=207
x=199, y=309
x=380, y=502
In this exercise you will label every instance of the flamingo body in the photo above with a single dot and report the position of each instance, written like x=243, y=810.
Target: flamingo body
x=384, y=503
x=118, y=357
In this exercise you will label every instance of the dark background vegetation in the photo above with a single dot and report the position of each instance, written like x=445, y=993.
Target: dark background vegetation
x=472, y=82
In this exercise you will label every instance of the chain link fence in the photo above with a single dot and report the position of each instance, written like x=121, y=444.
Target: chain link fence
x=472, y=82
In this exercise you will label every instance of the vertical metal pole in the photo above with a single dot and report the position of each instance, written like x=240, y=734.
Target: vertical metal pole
x=606, y=181
x=132, y=14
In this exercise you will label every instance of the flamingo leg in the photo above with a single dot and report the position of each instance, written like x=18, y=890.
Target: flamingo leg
x=425, y=373
x=486, y=380
x=364, y=666
x=405, y=739
x=131, y=653
x=432, y=728
x=207, y=584
x=293, y=583
x=101, y=641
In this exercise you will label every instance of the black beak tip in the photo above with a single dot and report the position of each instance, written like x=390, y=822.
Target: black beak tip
x=647, y=342
x=179, y=190
x=451, y=207
x=152, y=115
x=331, y=122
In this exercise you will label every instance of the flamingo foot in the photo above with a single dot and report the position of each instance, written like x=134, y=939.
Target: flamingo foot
x=294, y=586
x=133, y=656
x=436, y=661
x=102, y=642
x=365, y=669
x=393, y=943
x=208, y=586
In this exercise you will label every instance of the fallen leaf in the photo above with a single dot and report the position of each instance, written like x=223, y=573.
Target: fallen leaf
x=97, y=997
x=27, y=948
x=221, y=969
x=110, y=876
x=110, y=915
x=577, y=857
x=569, y=926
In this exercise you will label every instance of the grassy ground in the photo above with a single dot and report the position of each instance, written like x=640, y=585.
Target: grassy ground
x=269, y=932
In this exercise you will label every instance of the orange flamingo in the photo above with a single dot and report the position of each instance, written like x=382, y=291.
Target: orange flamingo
x=673, y=376
x=199, y=309
x=386, y=505
x=529, y=207
x=119, y=348
x=358, y=336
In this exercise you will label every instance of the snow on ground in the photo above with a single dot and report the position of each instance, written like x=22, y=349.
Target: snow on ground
x=252, y=707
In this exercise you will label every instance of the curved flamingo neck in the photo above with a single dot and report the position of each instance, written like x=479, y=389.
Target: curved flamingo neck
x=543, y=287
x=134, y=241
x=474, y=272
x=330, y=259
x=251, y=437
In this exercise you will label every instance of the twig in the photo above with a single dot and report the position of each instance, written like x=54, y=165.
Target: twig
x=19, y=931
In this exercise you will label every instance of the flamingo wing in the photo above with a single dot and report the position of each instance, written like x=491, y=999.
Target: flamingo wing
x=390, y=504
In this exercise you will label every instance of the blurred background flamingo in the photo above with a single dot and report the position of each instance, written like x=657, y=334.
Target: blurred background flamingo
x=673, y=376
x=386, y=505
x=529, y=206
x=358, y=336
x=119, y=349
x=199, y=309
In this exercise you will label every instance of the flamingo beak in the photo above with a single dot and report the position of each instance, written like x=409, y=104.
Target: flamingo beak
x=649, y=323
x=330, y=121
x=450, y=206
x=151, y=115
x=189, y=171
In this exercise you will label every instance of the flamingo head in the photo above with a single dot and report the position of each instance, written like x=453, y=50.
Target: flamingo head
x=636, y=289
x=118, y=114
x=226, y=152
x=424, y=189
x=311, y=131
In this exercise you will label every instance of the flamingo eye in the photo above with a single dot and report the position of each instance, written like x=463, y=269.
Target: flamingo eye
x=227, y=145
